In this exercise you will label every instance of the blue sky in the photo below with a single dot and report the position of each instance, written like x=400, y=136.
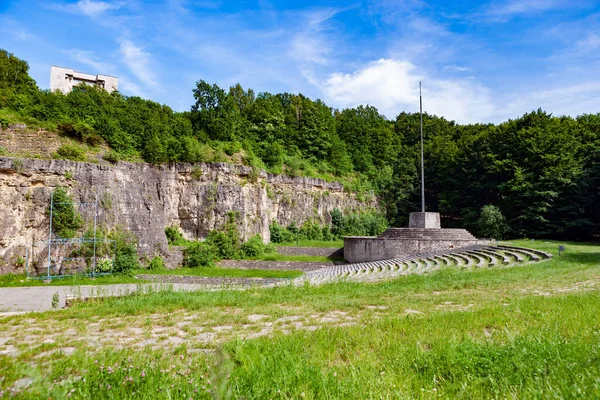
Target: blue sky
x=479, y=61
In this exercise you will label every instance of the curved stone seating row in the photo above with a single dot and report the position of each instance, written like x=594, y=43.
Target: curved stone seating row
x=464, y=258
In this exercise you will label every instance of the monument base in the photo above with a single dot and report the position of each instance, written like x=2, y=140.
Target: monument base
x=424, y=235
x=424, y=220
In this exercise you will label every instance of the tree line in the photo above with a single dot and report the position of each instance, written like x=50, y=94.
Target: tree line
x=541, y=171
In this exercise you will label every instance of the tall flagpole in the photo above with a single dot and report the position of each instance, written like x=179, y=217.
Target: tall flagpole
x=422, y=161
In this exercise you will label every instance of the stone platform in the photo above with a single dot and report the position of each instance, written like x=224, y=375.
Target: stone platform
x=424, y=235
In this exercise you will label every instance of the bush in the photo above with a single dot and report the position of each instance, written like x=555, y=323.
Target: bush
x=156, y=263
x=254, y=247
x=311, y=230
x=70, y=152
x=126, y=260
x=279, y=234
x=491, y=223
x=225, y=246
x=198, y=255
x=226, y=242
x=112, y=156
x=173, y=235
x=126, y=257
x=65, y=219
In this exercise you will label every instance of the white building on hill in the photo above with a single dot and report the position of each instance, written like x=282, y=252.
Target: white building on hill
x=64, y=79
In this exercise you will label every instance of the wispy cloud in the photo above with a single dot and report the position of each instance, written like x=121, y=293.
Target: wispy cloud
x=138, y=62
x=520, y=7
x=93, y=8
x=456, y=68
x=90, y=59
x=567, y=99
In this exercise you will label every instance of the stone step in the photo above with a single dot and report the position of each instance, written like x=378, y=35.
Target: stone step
x=501, y=257
x=539, y=254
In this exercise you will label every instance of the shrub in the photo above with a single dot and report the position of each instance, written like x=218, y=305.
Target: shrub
x=4, y=122
x=326, y=233
x=254, y=247
x=112, y=156
x=280, y=234
x=104, y=265
x=173, y=235
x=224, y=245
x=198, y=255
x=70, y=152
x=491, y=223
x=65, y=219
x=311, y=230
x=156, y=263
x=226, y=242
x=126, y=258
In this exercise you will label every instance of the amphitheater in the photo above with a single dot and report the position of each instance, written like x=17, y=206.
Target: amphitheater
x=472, y=257
x=421, y=248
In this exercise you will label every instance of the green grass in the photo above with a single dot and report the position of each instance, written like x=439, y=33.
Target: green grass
x=313, y=243
x=18, y=280
x=298, y=258
x=530, y=331
x=224, y=272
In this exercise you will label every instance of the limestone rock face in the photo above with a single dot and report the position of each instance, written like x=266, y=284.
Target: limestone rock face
x=146, y=199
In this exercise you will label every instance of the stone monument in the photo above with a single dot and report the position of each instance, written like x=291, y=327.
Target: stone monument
x=423, y=235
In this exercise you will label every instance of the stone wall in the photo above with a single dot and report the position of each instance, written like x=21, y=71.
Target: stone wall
x=367, y=248
x=146, y=199
x=30, y=143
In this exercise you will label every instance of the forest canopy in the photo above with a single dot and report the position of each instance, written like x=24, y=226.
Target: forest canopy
x=540, y=171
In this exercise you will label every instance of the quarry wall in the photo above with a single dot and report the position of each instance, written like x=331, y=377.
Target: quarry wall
x=145, y=199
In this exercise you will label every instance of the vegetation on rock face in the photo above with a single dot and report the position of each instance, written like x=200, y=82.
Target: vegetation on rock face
x=351, y=224
x=541, y=172
x=65, y=219
x=223, y=243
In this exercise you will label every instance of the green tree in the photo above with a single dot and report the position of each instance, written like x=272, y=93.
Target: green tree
x=491, y=223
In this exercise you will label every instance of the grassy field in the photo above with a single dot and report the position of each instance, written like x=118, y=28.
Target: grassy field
x=20, y=280
x=530, y=331
x=225, y=272
x=314, y=243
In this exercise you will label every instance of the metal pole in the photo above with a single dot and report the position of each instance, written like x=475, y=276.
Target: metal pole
x=50, y=234
x=95, y=221
x=422, y=160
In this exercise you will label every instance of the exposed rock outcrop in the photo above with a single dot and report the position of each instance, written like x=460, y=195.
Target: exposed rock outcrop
x=146, y=199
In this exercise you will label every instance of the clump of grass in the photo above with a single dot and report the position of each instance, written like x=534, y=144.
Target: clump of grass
x=70, y=152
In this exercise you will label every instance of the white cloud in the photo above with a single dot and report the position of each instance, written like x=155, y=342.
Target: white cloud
x=138, y=62
x=393, y=86
x=93, y=8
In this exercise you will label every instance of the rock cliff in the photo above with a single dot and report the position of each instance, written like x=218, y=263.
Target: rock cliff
x=146, y=199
